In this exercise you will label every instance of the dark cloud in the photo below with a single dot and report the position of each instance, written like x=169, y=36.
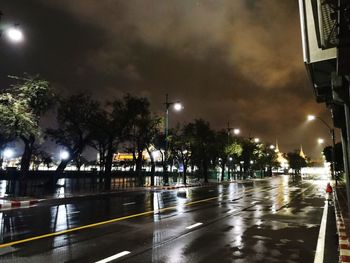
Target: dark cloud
x=237, y=61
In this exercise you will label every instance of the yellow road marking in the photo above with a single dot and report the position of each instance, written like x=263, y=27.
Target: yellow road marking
x=108, y=221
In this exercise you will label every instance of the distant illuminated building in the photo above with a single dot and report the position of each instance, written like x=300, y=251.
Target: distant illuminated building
x=301, y=152
x=280, y=158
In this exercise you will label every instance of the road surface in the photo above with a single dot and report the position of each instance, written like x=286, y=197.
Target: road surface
x=272, y=220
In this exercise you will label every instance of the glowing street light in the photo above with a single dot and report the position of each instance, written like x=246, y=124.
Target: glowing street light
x=64, y=155
x=311, y=117
x=8, y=153
x=178, y=106
x=14, y=34
x=256, y=140
x=272, y=147
x=236, y=131
x=320, y=141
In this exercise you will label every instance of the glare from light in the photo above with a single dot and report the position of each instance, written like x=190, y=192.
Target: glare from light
x=320, y=141
x=64, y=155
x=15, y=35
x=178, y=106
x=256, y=140
x=230, y=159
x=156, y=155
x=311, y=117
x=8, y=153
x=236, y=131
x=272, y=147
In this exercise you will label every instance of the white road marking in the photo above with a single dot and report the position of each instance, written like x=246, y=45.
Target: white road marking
x=72, y=213
x=231, y=211
x=194, y=225
x=254, y=202
x=119, y=255
x=321, y=236
x=131, y=203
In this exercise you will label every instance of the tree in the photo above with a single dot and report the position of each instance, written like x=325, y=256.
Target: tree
x=152, y=129
x=266, y=158
x=234, y=151
x=203, y=144
x=99, y=136
x=114, y=125
x=27, y=102
x=296, y=162
x=221, y=143
x=75, y=116
x=142, y=128
x=181, y=144
x=7, y=121
x=249, y=154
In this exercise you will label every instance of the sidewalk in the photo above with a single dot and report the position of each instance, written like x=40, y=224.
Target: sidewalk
x=343, y=222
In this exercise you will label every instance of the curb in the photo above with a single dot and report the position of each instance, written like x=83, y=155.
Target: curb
x=17, y=204
x=344, y=244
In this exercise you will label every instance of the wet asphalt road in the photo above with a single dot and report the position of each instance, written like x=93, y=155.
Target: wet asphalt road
x=273, y=220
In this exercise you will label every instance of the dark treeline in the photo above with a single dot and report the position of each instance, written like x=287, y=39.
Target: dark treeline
x=123, y=124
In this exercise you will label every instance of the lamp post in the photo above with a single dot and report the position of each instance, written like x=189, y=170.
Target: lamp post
x=332, y=134
x=236, y=131
x=177, y=107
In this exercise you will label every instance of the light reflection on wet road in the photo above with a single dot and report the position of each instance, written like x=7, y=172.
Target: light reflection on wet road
x=274, y=220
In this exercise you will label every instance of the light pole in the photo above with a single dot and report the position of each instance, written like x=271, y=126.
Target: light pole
x=332, y=134
x=177, y=107
x=236, y=131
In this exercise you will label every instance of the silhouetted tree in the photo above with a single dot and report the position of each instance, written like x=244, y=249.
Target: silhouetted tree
x=296, y=162
x=203, y=144
x=181, y=143
x=74, y=117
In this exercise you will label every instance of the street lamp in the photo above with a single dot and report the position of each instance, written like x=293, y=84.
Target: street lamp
x=256, y=140
x=177, y=107
x=236, y=131
x=64, y=155
x=14, y=34
x=320, y=141
x=8, y=153
x=332, y=134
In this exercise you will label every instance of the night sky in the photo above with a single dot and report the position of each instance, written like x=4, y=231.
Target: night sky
x=226, y=60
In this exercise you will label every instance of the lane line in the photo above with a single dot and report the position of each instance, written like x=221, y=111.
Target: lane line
x=111, y=258
x=103, y=223
x=321, y=236
x=131, y=203
x=114, y=220
x=231, y=211
x=194, y=225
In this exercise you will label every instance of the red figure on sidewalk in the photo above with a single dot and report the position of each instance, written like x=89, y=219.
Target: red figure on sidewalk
x=329, y=188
